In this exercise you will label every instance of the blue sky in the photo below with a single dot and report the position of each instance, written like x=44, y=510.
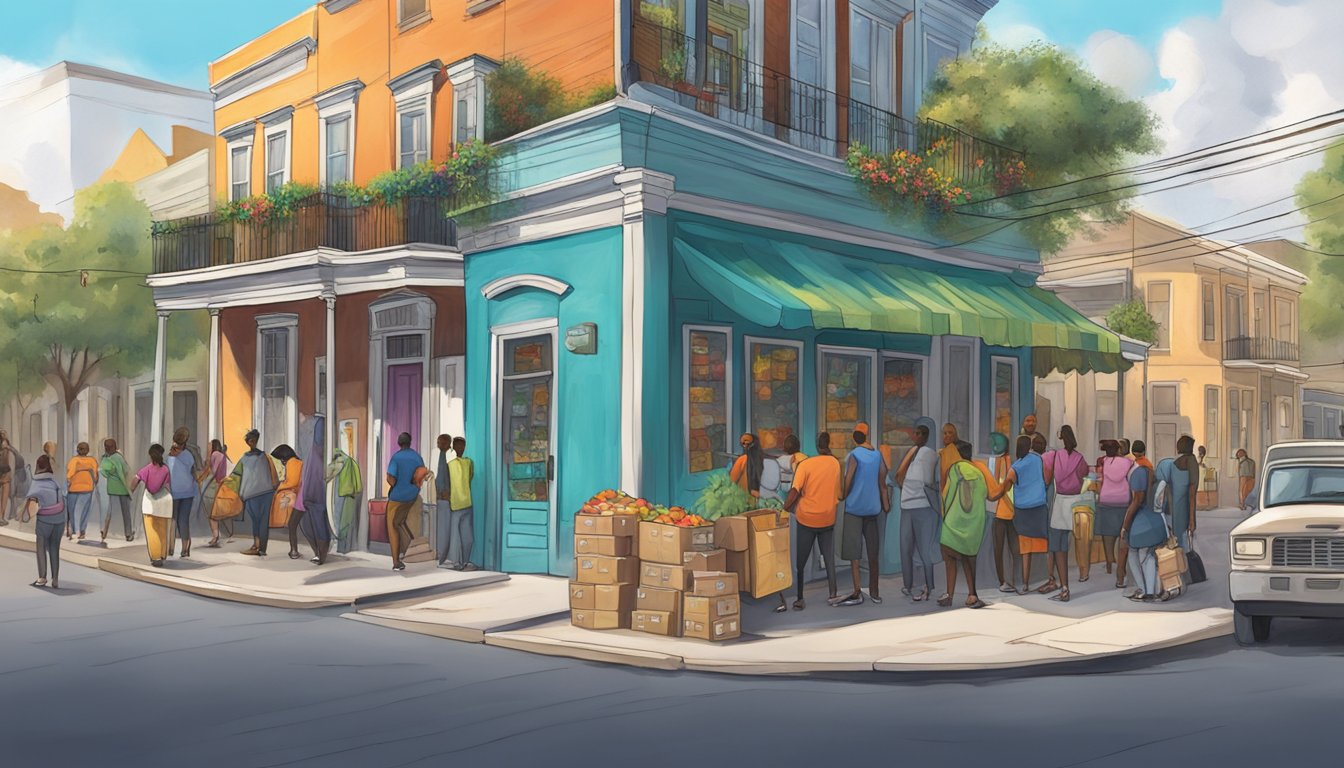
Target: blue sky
x=1071, y=22
x=170, y=40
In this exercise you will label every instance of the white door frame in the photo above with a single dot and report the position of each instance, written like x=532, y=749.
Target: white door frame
x=498, y=335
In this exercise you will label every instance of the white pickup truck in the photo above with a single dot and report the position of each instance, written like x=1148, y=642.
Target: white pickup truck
x=1288, y=557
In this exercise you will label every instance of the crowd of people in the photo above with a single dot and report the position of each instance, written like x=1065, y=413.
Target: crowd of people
x=1026, y=501
x=275, y=489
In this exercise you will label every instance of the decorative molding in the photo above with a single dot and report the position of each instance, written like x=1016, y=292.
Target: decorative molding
x=338, y=95
x=420, y=75
x=505, y=284
x=336, y=6
x=480, y=6
x=238, y=132
x=276, y=117
x=462, y=70
x=468, y=80
x=277, y=320
x=645, y=191
x=286, y=62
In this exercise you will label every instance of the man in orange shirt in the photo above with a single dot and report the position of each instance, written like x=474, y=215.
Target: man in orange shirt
x=1004, y=535
x=81, y=475
x=818, y=486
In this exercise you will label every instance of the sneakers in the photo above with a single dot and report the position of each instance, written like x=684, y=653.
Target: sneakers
x=466, y=567
x=448, y=565
x=856, y=599
x=399, y=567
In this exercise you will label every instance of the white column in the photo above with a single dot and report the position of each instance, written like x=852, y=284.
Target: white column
x=644, y=191
x=329, y=393
x=160, y=379
x=212, y=384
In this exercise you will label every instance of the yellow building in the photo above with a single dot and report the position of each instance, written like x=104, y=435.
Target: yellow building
x=1225, y=368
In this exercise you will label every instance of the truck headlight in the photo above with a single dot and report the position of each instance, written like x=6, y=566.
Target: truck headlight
x=1248, y=549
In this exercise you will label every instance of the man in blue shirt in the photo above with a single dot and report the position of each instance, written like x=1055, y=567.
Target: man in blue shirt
x=865, y=498
x=404, y=490
x=182, y=480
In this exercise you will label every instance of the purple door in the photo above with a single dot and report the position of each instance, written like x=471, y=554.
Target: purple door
x=402, y=400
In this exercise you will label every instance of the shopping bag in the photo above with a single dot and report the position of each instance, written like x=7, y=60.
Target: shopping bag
x=280, y=507
x=228, y=505
x=1195, y=564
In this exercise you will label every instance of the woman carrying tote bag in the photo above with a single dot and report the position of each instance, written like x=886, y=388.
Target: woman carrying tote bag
x=156, y=505
x=1145, y=531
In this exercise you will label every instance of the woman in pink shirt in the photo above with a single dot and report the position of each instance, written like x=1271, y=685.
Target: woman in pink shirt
x=1113, y=501
x=216, y=470
x=156, y=504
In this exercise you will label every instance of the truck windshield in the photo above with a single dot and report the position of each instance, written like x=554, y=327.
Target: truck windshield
x=1304, y=485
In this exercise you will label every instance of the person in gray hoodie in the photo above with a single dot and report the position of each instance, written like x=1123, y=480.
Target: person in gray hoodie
x=46, y=493
x=255, y=476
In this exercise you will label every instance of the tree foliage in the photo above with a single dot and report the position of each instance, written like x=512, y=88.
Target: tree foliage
x=1321, y=194
x=1043, y=101
x=56, y=331
x=1132, y=319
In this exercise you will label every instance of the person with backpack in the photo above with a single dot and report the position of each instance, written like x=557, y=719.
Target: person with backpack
x=1066, y=470
x=965, y=494
x=1144, y=530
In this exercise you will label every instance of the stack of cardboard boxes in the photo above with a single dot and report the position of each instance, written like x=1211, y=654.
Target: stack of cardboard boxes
x=758, y=550
x=602, y=594
x=678, y=567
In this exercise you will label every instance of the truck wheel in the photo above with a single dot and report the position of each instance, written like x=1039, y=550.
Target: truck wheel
x=1249, y=630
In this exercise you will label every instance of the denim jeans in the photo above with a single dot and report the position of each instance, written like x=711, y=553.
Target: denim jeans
x=1143, y=569
x=81, y=503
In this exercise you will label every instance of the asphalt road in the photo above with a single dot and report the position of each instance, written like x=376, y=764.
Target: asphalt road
x=111, y=672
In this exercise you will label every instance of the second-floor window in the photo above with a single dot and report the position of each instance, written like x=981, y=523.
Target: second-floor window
x=411, y=10
x=277, y=169
x=240, y=173
x=1159, y=306
x=1234, y=314
x=338, y=150
x=1283, y=320
x=1207, y=313
x=414, y=133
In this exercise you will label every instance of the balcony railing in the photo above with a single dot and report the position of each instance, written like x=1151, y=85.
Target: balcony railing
x=1261, y=348
x=752, y=96
x=322, y=220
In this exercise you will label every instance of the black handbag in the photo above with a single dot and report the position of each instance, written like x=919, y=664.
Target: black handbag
x=1195, y=564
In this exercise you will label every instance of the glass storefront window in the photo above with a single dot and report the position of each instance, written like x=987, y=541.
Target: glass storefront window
x=902, y=400
x=773, y=392
x=1005, y=397
x=707, y=390
x=847, y=395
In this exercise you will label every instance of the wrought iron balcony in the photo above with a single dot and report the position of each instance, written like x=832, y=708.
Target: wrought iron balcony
x=752, y=96
x=1261, y=348
x=322, y=220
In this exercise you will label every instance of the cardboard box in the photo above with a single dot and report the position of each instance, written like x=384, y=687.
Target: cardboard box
x=710, y=609
x=606, y=525
x=601, y=569
x=612, y=546
x=676, y=577
x=734, y=533
x=602, y=597
x=656, y=623
x=659, y=543
x=713, y=583
x=713, y=560
x=600, y=619
x=722, y=629
x=740, y=563
x=770, y=573
x=657, y=599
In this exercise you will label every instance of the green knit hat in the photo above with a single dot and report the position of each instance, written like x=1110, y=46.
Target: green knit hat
x=998, y=443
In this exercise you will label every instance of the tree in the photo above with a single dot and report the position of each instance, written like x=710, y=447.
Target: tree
x=1320, y=194
x=74, y=306
x=1043, y=101
x=1132, y=319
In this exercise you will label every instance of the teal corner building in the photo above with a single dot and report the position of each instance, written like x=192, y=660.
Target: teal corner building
x=653, y=283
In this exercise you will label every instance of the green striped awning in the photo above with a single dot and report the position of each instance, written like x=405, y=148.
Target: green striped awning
x=788, y=285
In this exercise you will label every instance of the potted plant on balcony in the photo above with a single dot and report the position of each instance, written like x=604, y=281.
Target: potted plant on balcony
x=263, y=225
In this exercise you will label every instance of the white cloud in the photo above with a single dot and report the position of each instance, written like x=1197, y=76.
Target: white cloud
x=1119, y=60
x=13, y=69
x=1261, y=64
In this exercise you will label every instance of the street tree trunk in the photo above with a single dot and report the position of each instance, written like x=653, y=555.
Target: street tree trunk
x=72, y=370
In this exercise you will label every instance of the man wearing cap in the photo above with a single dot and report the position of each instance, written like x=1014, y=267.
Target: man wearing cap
x=865, y=498
x=917, y=478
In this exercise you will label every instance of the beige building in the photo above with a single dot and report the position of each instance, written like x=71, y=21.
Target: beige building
x=1226, y=366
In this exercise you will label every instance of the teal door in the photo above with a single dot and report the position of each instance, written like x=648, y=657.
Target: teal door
x=527, y=430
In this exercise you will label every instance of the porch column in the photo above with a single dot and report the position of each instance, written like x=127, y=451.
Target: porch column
x=645, y=192
x=329, y=394
x=160, y=379
x=212, y=384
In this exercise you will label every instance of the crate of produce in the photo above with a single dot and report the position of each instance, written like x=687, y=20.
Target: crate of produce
x=664, y=543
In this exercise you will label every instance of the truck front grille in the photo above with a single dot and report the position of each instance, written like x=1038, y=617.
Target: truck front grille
x=1309, y=552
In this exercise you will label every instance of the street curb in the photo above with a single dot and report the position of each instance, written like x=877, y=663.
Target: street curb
x=434, y=589
x=21, y=542
x=448, y=631
x=215, y=591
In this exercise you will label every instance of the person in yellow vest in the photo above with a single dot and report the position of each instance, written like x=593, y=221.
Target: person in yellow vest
x=81, y=477
x=461, y=537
